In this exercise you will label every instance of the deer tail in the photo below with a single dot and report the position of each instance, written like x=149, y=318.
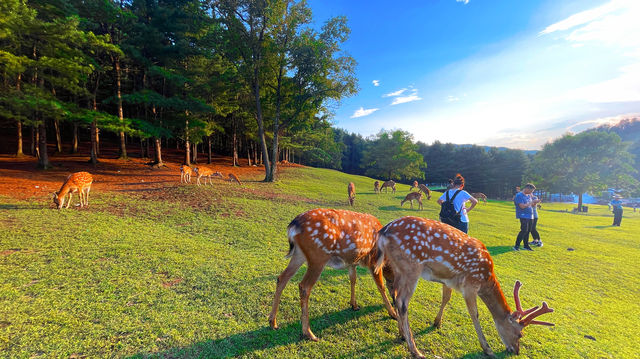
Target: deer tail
x=380, y=246
x=292, y=230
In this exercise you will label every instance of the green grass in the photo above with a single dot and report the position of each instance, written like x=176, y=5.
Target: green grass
x=190, y=272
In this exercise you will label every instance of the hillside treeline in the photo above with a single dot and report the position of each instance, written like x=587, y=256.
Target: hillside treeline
x=252, y=78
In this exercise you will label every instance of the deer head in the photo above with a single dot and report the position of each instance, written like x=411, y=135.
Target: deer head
x=56, y=200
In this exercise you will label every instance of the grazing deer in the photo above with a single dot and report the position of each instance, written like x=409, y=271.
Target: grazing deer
x=388, y=184
x=204, y=172
x=417, y=196
x=79, y=181
x=338, y=238
x=217, y=174
x=233, y=177
x=351, y=192
x=376, y=187
x=414, y=186
x=417, y=247
x=481, y=196
x=185, y=174
x=424, y=189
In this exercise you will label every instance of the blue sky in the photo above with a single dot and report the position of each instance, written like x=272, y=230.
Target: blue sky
x=501, y=73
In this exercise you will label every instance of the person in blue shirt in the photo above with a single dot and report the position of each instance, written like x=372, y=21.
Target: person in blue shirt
x=524, y=212
x=459, y=201
x=616, y=203
x=534, y=231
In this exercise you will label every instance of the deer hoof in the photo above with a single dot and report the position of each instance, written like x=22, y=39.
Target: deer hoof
x=311, y=337
x=355, y=307
x=273, y=324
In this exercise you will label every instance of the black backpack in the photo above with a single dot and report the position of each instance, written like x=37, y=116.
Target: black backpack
x=448, y=213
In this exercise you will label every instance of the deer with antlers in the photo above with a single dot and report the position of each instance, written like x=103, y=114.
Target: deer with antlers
x=75, y=182
x=413, y=196
x=480, y=196
x=351, y=192
x=388, y=184
x=185, y=174
x=337, y=238
x=417, y=247
x=376, y=187
x=234, y=178
x=424, y=189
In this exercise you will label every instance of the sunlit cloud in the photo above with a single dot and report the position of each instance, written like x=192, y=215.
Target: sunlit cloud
x=584, y=17
x=463, y=1
x=611, y=120
x=404, y=99
x=376, y=83
x=397, y=93
x=361, y=112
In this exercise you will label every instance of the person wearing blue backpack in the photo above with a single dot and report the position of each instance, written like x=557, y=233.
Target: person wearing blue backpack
x=454, y=211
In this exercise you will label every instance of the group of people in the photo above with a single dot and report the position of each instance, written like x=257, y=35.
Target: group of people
x=455, y=213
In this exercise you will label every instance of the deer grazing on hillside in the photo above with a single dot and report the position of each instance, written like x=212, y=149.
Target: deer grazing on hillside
x=413, y=196
x=376, y=187
x=185, y=174
x=351, y=192
x=233, y=177
x=76, y=182
x=337, y=238
x=424, y=189
x=388, y=184
x=417, y=247
x=204, y=172
x=414, y=186
x=480, y=196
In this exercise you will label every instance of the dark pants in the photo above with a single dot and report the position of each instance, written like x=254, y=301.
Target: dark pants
x=463, y=226
x=525, y=228
x=534, y=232
x=617, y=217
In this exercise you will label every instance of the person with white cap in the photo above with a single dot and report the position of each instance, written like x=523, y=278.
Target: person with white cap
x=616, y=203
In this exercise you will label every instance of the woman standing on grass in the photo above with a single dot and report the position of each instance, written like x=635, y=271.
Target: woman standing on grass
x=616, y=203
x=458, y=197
x=524, y=212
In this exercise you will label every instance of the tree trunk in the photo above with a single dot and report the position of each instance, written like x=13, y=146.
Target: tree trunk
x=248, y=155
x=34, y=142
x=142, y=154
x=263, y=141
x=147, y=144
x=580, y=202
x=123, y=147
x=56, y=125
x=19, y=152
x=158, y=144
x=187, y=154
x=235, y=144
x=43, y=160
x=195, y=153
x=74, y=147
x=209, y=149
x=94, y=142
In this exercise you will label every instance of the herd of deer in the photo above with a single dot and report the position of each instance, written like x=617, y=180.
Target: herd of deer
x=186, y=172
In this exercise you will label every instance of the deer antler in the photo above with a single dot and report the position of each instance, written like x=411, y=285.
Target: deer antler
x=531, y=312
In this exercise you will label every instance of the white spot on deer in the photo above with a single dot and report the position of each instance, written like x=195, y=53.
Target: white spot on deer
x=406, y=237
x=413, y=225
x=446, y=251
x=437, y=235
x=400, y=223
x=352, y=246
x=407, y=251
x=325, y=235
x=439, y=259
x=317, y=224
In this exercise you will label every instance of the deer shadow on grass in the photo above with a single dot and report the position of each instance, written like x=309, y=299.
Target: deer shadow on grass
x=243, y=344
x=497, y=250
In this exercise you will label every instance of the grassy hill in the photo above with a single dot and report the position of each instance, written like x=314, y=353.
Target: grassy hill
x=190, y=271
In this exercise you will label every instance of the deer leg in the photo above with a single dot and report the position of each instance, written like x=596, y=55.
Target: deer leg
x=353, y=276
x=378, y=277
x=309, y=279
x=446, y=295
x=70, y=195
x=87, y=196
x=294, y=265
x=81, y=194
x=405, y=285
x=472, y=307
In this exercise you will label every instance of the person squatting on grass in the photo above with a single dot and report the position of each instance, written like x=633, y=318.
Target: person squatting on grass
x=458, y=197
x=616, y=203
x=534, y=232
x=524, y=212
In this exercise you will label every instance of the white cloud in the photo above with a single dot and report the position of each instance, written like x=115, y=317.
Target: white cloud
x=376, y=83
x=452, y=98
x=397, y=93
x=611, y=120
x=362, y=112
x=583, y=17
x=409, y=98
x=463, y=1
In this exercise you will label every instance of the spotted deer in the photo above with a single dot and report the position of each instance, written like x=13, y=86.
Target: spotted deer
x=351, y=192
x=185, y=174
x=388, y=184
x=376, y=187
x=417, y=247
x=204, y=172
x=413, y=196
x=233, y=177
x=424, y=189
x=414, y=186
x=480, y=196
x=76, y=182
x=337, y=238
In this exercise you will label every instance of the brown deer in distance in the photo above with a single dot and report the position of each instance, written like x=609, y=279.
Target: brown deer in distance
x=351, y=192
x=376, y=187
x=480, y=196
x=185, y=174
x=76, y=182
x=233, y=177
x=204, y=172
x=417, y=247
x=414, y=186
x=388, y=184
x=424, y=189
x=413, y=196
x=337, y=238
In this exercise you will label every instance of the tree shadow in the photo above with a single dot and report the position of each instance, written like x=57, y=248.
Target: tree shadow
x=20, y=206
x=497, y=250
x=600, y=227
x=479, y=354
x=389, y=208
x=243, y=344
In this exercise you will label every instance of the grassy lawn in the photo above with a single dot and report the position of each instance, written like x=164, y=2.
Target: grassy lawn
x=190, y=272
